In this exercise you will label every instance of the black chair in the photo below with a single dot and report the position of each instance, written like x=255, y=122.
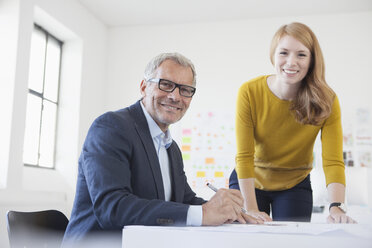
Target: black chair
x=36, y=229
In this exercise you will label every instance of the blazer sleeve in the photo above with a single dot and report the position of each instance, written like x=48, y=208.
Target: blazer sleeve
x=190, y=197
x=106, y=163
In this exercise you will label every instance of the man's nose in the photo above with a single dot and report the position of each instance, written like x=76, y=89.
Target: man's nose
x=175, y=94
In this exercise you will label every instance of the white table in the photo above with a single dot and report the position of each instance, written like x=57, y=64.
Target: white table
x=285, y=234
x=228, y=236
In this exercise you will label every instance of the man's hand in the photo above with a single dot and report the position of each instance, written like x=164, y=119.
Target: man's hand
x=225, y=207
x=336, y=215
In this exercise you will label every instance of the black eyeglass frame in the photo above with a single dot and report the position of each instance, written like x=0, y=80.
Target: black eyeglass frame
x=176, y=85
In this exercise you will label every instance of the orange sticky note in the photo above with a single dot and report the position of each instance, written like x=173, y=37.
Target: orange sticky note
x=209, y=160
x=186, y=148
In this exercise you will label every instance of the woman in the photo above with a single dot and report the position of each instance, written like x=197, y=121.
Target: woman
x=278, y=119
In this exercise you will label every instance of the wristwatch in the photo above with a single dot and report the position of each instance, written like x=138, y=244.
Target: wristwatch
x=340, y=205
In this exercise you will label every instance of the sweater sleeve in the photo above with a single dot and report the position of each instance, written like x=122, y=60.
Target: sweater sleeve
x=244, y=135
x=333, y=165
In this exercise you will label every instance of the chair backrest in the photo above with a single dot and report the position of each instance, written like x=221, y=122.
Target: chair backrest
x=36, y=229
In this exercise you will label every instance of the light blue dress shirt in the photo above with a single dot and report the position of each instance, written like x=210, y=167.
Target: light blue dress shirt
x=162, y=141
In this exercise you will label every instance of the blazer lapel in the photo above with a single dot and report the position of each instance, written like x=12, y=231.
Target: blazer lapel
x=174, y=162
x=143, y=131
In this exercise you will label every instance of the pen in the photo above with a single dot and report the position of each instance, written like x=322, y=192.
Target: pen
x=215, y=190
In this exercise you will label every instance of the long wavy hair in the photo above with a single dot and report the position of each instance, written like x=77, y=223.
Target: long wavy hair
x=314, y=99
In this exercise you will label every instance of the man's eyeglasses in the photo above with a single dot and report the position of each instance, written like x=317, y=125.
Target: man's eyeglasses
x=169, y=86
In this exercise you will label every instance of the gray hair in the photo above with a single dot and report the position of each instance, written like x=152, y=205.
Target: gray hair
x=176, y=57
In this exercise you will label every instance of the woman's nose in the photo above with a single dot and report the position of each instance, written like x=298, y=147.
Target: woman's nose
x=291, y=60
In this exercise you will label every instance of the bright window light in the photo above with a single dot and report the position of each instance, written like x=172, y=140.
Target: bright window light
x=42, y=101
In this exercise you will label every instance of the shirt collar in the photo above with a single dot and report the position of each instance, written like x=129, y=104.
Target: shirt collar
x=155, y=131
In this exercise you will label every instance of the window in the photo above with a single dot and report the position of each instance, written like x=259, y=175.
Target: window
x=42, y=100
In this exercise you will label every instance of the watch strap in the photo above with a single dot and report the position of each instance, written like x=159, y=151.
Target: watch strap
x=339, y=205
x=334, y=204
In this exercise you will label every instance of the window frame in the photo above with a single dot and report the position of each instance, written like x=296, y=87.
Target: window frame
x=48, y=36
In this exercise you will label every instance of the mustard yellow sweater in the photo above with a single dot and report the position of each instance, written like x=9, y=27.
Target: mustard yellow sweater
x=274, y=148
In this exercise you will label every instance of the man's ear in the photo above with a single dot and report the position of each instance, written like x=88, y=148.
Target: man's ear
x=143, y=86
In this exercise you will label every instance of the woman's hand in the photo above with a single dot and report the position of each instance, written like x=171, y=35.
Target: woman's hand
x=261, y=217
x=336, y=193
x=336, y=215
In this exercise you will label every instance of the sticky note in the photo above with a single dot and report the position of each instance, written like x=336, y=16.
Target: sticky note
x=186, y=148
x=200, y=174
x=218, y=174
x=209, y=160
x=186, y=156
x=186, y=131
x=186, y=140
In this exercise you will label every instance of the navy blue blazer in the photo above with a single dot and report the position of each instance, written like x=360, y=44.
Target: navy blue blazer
x=119, y=179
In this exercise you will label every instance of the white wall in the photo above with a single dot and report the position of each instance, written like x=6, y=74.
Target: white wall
x=82, y=99
x=8, y=49
x=226, y=54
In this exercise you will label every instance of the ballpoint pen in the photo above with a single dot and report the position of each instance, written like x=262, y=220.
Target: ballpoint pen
x=215, y=190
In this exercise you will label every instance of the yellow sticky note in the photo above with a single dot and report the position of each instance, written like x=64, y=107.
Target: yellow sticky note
x=200, y=174
x=186, y=156
x=218, y=174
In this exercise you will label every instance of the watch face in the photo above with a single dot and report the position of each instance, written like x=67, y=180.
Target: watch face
x=342, y=207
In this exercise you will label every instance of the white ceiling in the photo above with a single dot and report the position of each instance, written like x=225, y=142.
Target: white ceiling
x=157, y=12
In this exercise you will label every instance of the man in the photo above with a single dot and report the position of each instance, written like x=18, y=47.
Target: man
x=130, y=169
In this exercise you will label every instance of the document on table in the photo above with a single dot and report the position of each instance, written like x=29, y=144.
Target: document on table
x=280, y=228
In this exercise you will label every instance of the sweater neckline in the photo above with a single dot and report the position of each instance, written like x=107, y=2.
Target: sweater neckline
x=272, y=95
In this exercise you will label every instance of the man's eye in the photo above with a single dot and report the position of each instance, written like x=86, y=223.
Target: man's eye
x=167, y=85
x=187, y=91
